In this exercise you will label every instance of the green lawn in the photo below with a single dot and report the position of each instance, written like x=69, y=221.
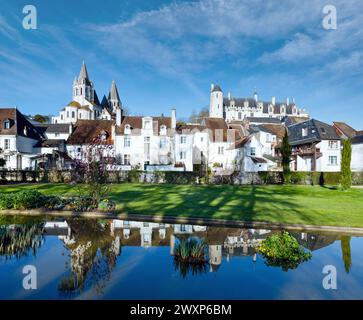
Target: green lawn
x=286, y=204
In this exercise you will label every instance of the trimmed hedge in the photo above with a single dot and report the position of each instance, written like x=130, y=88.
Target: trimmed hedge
x=309, y=178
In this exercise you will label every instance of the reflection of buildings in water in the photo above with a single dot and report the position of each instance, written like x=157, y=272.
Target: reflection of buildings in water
x=227, y=242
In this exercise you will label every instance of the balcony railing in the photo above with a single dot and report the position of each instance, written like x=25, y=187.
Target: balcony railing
x=307, y=152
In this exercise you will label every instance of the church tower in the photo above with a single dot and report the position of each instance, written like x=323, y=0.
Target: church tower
x=216, y=102
x=83, y=89
x=114, y=98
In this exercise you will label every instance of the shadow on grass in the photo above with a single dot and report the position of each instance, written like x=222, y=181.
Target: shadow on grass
x=250, y=203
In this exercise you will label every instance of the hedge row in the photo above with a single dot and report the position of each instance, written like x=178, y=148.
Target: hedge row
x=309, y=178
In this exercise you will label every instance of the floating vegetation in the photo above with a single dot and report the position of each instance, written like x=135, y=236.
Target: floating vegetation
x=191, y=250
x=283, y=250
x=190, y=257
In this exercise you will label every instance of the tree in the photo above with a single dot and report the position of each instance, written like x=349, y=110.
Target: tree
x=346, y=174
x=197, y=117
x=286, y=157
x=346, y=253
x=2, y=162
x=40, y=118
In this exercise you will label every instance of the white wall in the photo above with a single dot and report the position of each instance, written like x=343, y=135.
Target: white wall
x=357, y=157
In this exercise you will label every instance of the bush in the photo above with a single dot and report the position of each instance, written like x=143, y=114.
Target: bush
x=174, y=177
x=283, y=250
x=357, y=178
x=134, y=175
x=107, y=205
x=26, y=199
x=53, y=202
x=79, y=204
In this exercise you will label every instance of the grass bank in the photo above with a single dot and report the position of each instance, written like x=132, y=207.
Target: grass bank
x=282, y=204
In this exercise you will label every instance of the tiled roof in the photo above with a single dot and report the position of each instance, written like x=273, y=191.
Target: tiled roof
x=50, y=143
x=136, y=123
x=344, y=128
x=87, y=131
x=19, y=125
x=277, y=129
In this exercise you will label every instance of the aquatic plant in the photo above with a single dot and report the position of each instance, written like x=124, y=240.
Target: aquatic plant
x=19, y=240
x=191, y=250
x=283, y=250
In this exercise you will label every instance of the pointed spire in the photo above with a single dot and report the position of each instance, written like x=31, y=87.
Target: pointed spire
x=113, y=95
x=83, y=74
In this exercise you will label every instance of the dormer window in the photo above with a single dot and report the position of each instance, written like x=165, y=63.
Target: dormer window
x=103, y=135
x=7, y=124
x=25, y=131
x=147, y=124
x=127, y=129
x=304, y=132
x=163, y=130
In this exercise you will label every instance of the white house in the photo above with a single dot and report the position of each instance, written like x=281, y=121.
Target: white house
x=316, y=146
x=18, y=139
x=88, y=136
x=148, y=142
x=357, y=153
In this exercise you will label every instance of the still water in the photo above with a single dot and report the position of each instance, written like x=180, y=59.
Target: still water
x=115, y=259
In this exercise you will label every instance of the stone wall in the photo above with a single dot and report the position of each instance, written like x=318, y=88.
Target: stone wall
x=172, y=177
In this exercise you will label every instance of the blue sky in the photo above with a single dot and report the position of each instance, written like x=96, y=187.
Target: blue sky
x=165, y=54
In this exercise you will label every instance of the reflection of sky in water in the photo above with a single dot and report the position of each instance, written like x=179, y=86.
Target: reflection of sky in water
x=149, y=273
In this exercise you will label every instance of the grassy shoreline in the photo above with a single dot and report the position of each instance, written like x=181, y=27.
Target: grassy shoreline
x=313, y=205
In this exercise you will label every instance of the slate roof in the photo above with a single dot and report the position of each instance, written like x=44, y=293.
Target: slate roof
x=316, y=131
x=216, y=88
x=357, y=139
x=114, y=92
x=53, y=127
x=18, y=122
x=263, y=120
x=252, y=103
x=86, y=131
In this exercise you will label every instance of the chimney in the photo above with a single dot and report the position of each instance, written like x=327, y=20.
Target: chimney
x=273, y=101
x=229, y=96
x=118, y=116
x=70, y=128
x=293, y=100
x=287, y=101
x=113, y=132
x=255, y=95
x=173, y=118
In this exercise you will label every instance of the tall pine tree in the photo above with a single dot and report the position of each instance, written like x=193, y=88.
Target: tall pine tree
x=346, y=174
x=286, y=157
